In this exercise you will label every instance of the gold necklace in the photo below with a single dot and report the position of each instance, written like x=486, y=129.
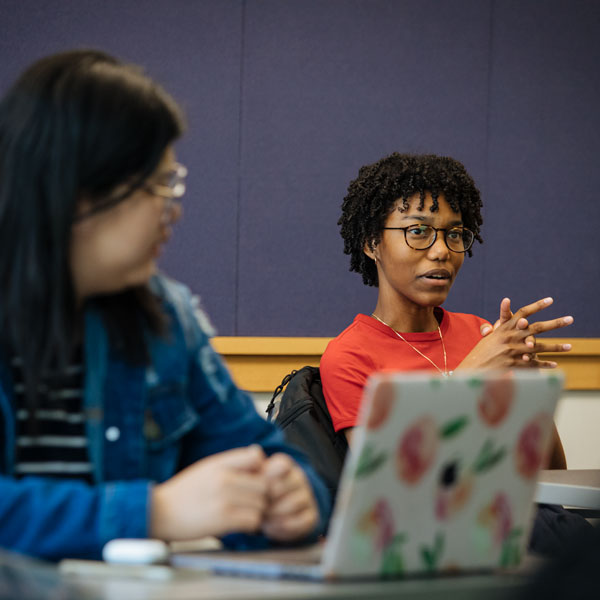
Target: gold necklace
x=445, y=372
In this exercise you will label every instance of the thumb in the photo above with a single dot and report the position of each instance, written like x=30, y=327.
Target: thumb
x=279, y=465
x=505, y=312
x=485, y=329
x=249, y=458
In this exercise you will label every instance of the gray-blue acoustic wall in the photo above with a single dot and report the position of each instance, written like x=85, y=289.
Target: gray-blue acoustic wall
x=287, y=99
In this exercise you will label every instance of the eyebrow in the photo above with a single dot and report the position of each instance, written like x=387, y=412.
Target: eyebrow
x=425, y=219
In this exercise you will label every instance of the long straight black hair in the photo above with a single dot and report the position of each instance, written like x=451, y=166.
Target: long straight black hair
x=76, y=124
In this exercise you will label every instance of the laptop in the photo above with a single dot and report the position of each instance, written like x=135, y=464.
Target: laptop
x=440, y=479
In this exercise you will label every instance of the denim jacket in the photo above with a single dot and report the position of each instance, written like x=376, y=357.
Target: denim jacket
x=143, y=424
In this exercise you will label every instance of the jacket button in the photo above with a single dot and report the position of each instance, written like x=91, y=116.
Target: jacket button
x=112, y=434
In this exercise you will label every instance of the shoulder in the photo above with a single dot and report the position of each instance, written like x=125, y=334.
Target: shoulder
x=352, y=344
x=347, y=338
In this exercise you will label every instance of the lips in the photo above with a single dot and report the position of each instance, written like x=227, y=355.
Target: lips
x=163, y=239
x=436, y=275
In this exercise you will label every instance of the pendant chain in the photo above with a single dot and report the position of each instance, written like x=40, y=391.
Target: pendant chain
x=445, y=372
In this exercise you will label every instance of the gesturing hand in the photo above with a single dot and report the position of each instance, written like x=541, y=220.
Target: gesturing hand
x=223, y=493
x=292, y=511
x=505, y=315
x=511, y=342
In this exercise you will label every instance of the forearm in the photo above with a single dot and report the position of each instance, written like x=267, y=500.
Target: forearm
x=558, y=459
x=54, y=519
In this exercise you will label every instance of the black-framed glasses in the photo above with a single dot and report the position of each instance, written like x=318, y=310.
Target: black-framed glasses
x=421, y=237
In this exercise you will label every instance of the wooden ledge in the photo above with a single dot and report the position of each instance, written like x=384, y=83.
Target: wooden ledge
x=258, y=364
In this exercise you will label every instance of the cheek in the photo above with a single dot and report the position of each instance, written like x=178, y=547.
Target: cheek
x=458, y=262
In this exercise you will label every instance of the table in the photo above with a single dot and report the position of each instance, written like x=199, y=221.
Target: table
x=26, y=579
x=571, y=487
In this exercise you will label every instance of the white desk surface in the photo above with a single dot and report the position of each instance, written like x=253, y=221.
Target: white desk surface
x=25, y=579
x=572, y=487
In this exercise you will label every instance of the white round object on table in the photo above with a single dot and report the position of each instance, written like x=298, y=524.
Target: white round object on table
x=135, y=551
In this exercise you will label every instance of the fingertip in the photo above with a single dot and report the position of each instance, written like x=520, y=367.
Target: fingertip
x=566, y=347
x=486, y=329
x=568, y=320
x=547, y=301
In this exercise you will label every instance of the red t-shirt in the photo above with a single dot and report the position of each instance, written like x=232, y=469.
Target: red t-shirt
x=367, y=346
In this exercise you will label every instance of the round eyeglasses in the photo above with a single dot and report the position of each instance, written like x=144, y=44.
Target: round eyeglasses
x=421, y=237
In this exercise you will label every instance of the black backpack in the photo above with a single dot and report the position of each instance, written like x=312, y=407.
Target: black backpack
x=301, y=413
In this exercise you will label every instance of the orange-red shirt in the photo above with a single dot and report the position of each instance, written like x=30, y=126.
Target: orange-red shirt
x=367, y=346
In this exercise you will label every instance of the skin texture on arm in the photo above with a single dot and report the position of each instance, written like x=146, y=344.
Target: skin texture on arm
x=558, y=460
x=349, y=433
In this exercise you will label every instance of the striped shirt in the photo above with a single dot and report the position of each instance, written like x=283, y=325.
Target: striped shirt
x=56, y=446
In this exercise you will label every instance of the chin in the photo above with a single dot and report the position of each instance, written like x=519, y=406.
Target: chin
x=432, y=300
x=143, y=275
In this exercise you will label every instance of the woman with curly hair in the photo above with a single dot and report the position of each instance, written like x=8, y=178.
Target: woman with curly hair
x=407, y=223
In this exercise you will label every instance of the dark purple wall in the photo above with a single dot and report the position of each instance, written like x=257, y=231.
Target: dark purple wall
x=287, y=99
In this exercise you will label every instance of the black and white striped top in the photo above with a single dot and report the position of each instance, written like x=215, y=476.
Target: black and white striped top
x=57, y=446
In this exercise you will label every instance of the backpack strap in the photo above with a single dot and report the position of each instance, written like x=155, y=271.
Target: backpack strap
x=276, y=393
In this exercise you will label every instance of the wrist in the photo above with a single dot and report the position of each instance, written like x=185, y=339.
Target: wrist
x=159, y=513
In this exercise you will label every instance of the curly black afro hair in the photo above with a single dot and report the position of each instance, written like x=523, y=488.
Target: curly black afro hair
x=373, y=195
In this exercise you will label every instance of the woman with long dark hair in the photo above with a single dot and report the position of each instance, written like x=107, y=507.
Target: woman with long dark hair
x=117, y=417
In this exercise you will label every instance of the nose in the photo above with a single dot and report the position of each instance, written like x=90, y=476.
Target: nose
x=439, y=250
x=172, y=211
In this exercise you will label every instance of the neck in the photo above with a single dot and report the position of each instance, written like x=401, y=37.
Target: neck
x=414, y=319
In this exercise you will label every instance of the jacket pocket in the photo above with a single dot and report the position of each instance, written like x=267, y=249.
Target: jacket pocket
x=168, y=415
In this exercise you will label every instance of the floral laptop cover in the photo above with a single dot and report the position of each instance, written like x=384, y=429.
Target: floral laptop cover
x=443, y=473
x=440, y=479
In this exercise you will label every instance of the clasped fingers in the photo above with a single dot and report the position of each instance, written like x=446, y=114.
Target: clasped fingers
x=292, y=510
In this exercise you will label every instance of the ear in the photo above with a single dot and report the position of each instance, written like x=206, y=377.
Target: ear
x=370, y=249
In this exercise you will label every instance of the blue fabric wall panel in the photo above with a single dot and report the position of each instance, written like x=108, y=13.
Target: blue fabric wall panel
x=327, y=87
x=542, y=209
x=194, y=49
x=510, y=88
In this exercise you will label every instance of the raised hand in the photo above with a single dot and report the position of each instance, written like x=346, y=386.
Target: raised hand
x=223, y=493
x=505, y=315
x=292, y=510
x=512, y=343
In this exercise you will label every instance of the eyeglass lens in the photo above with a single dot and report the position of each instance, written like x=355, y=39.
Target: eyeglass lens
x=174, y=181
